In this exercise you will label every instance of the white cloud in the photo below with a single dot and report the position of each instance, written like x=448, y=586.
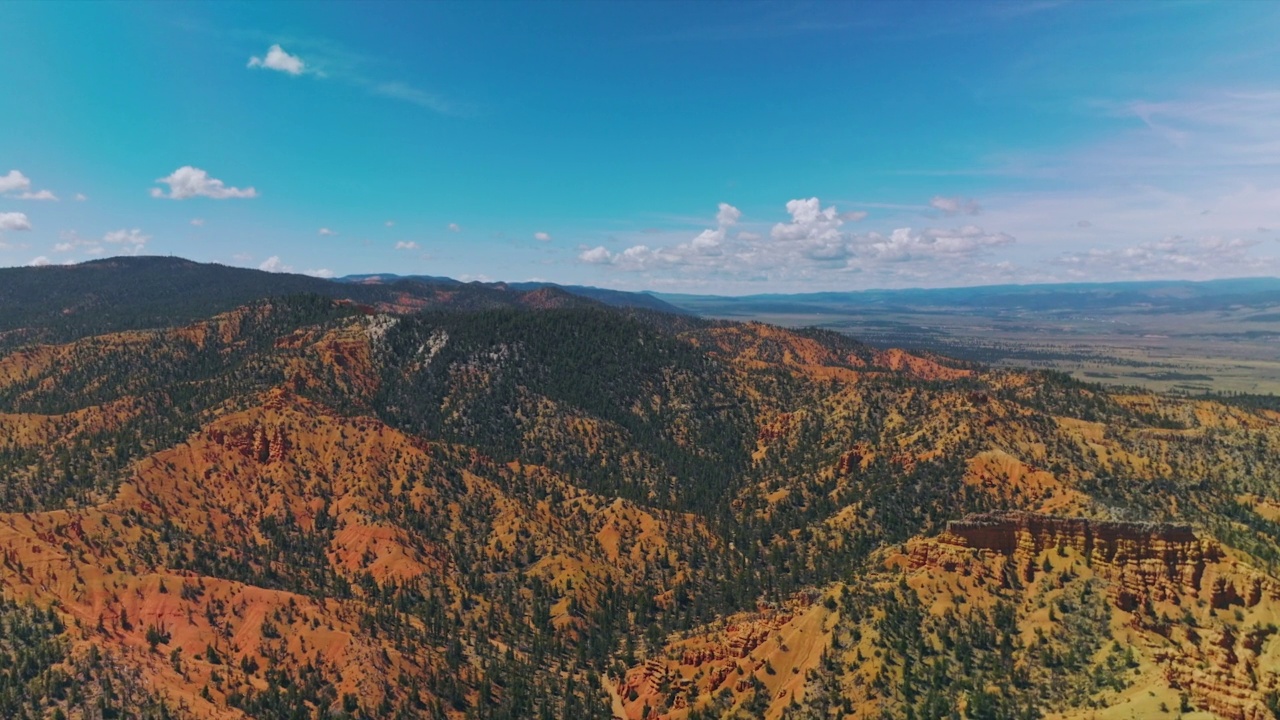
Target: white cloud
x=808, y=220
x=132, y=241
x=1175, y=256
x=905, y=245
x=41, y=261
x=542, y=237
x=853, y=215
x=11, y=221
x=13, y=182
x=242, y=257
x=277, y=59
x=327, y=232
x=390, y=223
x=197, y=221
x=597, y=255
x=410, y=245
x=813, y=250
x=321, y=273
x=16, y=185
x=81, y=197
x=955, y=205
x=274, y=264
x=188, y=182
x=701, y=250
x=453, y=227
x=728, y=215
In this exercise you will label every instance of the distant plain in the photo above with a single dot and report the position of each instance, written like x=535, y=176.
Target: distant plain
x=1193, y=338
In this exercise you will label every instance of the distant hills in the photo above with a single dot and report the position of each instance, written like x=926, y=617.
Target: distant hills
x=1157, y=295
x=616, y=298
x=162, y=290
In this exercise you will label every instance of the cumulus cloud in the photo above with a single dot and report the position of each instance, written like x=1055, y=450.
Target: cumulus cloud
x=320, y=273
x=188, y=182
x=40, y=261
x=327, y=232
x=954, y=205
x=707, y=244
x=390, y=223
x=14, y=181
x=542, y=237
x=814, y=231
x=597, y=255
x=275, y=264
x=813, y=246
x=11, y=221
x=454, y=227
x=728, y=215
x=16, y=185
x=197, y=221
x=403, y=245
x=277, y=59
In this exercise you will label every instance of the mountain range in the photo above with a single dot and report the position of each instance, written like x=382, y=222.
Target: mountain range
x=227, y=493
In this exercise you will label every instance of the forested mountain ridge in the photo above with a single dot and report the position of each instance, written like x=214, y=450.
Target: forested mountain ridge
x=309, y=506
x=64, y=302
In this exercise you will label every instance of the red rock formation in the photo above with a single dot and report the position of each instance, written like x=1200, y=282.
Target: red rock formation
x=1142, y=563
x=1145, y=561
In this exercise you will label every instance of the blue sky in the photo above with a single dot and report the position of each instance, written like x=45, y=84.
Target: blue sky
x=701, y=147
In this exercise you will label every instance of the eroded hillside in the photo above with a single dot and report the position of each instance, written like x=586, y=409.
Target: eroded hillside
x=312, y=508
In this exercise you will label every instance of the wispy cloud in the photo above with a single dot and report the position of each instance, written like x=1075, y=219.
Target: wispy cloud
x=955, y=205
x=72, y=242
x=132, y=242
x=416, y=96
x=328, y=60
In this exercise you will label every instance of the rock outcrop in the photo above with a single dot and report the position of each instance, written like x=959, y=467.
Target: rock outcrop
x=1149, y=568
